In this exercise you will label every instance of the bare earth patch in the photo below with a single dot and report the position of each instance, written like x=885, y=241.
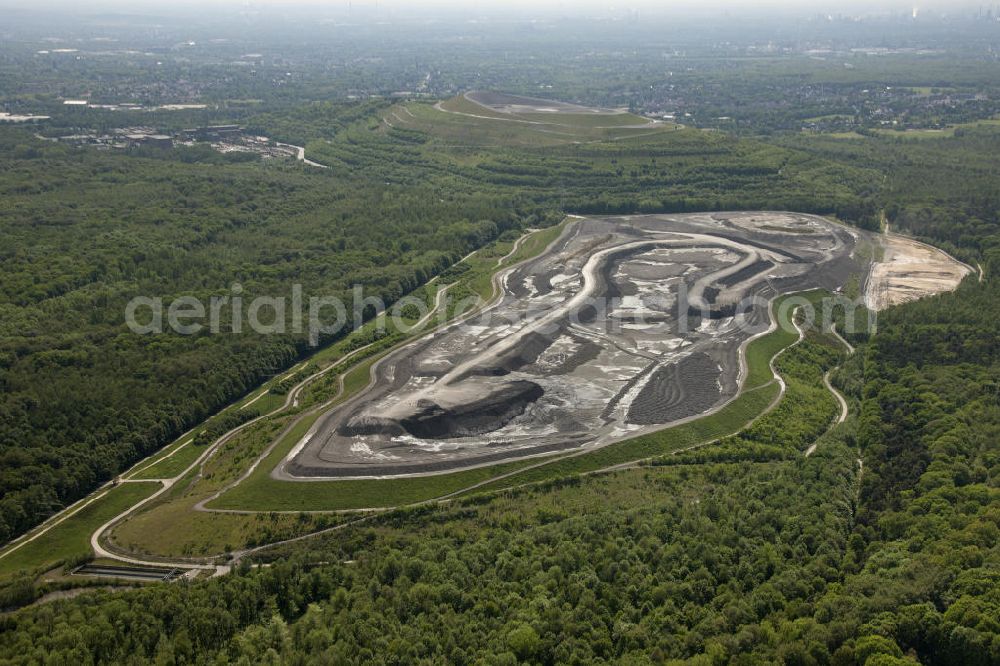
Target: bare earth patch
x=911, y=270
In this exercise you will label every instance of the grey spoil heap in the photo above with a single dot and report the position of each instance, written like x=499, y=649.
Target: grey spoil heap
x=623, y=326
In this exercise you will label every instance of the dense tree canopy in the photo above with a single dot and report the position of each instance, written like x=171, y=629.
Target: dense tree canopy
x=745, y=553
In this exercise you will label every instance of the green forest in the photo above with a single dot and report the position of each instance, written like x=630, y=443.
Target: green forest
x=790, y=561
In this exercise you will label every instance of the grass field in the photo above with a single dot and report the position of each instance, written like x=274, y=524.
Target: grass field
x=174, y=530
x=266, y=404
x=171, y=466
x=262, y=493
x=917, y=133
x=828, y=117
x=461, y=104
x=71, y=538
x=163, y=453
x=535, y=243
x=586, y=120
x=760, y=352
x=913, y=134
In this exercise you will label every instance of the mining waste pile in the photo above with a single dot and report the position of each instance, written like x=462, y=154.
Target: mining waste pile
x=622, y=326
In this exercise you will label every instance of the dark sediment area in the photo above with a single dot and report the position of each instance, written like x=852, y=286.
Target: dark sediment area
x=570, y=361
x=677, y=391
x=515, y=359
x=718, y=311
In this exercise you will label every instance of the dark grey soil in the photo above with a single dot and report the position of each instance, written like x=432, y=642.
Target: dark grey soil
x=476, y=417
x=677, y=391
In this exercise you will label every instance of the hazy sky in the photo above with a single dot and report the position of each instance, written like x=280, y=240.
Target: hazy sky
x=568, y=6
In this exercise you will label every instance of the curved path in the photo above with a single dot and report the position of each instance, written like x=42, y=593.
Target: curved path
x=838, y=395
x=101, y=551
x=56, y=520
x=836, y=334
x=439, y=107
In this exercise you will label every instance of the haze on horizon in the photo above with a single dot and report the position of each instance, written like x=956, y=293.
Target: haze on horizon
x=506, y=6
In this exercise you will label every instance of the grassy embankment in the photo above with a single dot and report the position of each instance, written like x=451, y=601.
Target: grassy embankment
x=71, y=538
